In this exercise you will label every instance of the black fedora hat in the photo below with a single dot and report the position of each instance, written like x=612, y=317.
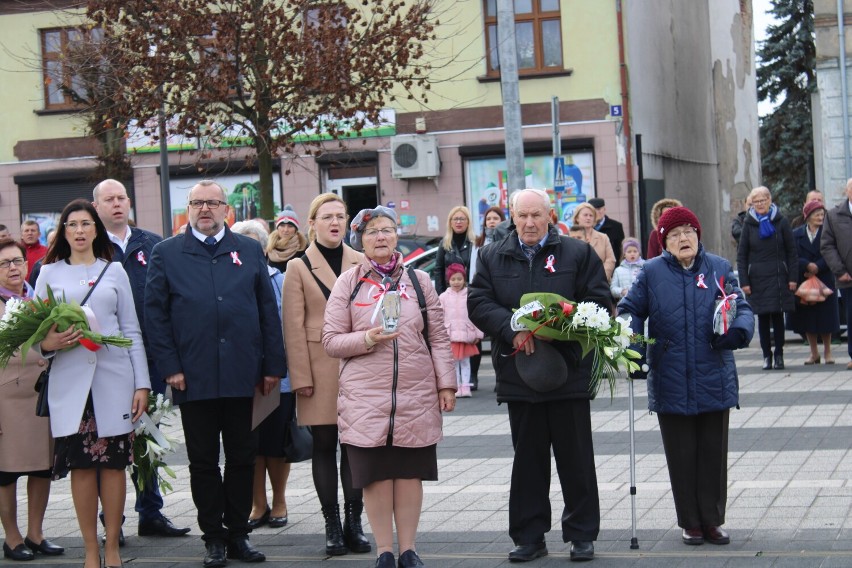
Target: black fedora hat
x=543, y=371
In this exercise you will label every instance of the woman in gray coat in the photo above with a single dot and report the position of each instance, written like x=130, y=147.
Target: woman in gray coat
x=94, y=396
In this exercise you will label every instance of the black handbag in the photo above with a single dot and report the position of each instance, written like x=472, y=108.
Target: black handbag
x=42, y=407
x=298, y=442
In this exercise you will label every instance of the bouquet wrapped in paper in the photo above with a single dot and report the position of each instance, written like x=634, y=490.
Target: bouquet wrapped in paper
x=607, y=338
x=26, y=323
x=725, y=310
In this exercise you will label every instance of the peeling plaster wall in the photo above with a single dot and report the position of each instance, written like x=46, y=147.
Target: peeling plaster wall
x=693, y=93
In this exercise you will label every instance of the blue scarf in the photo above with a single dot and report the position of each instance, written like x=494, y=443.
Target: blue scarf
x=767, y=229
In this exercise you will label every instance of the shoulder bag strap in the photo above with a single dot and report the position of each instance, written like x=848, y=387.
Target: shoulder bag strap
x=421, y=299
x=323, y=288
x=95, y=284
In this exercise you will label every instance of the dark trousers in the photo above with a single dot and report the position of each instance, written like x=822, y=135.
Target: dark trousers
x=847, y=299
x=697, y=455
x=223, y=505
x=776, y=321
x=565, y=426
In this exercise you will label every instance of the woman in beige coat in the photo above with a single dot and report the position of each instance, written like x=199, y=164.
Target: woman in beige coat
x=26, y=448
x=583, y=228
x=313, y=374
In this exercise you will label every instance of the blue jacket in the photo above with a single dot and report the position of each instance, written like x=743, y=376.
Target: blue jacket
x=213, y=317
x=687, y=376
x=135, y=263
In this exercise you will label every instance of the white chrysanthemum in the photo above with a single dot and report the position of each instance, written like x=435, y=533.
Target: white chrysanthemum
x=586, y=311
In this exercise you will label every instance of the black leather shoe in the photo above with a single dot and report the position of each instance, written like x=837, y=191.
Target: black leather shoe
x=120, y=538
x=409, y=559
x=261, y=520
x=161, y=526
x=278, y=522
x=45, y=547
x=241, y=549
x=779, y=361
x=120, y=532
x=386, y=560
x=582, y=550
x=527, y=552
x=767, y=363
x=715, y=535
x=215, y=557
x=692, y=536
x=20, y=552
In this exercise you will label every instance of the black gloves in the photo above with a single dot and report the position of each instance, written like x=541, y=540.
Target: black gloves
x=734, y=339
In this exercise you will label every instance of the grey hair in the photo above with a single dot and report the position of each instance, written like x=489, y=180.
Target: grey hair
x=759, y=190
x=253, y=230
x=545, y=199
x=207, y=183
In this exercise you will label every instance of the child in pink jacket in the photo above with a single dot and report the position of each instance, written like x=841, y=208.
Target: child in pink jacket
x=463, y=334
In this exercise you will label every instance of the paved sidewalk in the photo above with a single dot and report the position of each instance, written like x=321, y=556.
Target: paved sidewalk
x=789, y=487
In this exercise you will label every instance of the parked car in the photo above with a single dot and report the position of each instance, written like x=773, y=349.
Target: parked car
x=425, y=261
x=414, y=245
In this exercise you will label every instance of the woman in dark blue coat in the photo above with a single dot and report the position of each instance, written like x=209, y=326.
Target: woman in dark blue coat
x=692, y=379
x=821, y=319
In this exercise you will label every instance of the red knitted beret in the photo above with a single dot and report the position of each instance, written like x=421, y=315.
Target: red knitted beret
x=811, y=206
x=676, y=217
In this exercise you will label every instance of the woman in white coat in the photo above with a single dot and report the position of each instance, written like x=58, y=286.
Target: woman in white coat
x=94, y=396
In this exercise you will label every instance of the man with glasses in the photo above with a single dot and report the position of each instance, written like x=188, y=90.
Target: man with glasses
x=212, y=325
x=132, y=248
x=30, y=237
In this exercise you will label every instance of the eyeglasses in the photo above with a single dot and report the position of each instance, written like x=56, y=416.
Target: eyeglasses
x=458, y=219
x=329, y=218
x=386, y=232
x=211, y=203
x=74, y=225
x=759, y=201
x=19, y=261
x=675, y=236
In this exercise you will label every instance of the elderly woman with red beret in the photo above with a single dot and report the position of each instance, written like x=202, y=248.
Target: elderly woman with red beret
x=821, y=319
x=697, y=316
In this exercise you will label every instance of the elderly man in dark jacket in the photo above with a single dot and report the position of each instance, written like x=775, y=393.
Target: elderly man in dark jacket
x=836, y=249
x=534, y=258
x=213, y=327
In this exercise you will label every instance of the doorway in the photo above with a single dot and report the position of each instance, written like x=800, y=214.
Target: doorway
x=358, y=197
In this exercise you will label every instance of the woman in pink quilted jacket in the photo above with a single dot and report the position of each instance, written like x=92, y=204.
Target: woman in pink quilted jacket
x=393, y=386
x=463, y=334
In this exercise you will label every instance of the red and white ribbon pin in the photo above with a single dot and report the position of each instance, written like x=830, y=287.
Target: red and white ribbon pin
x=235, y=258
x=701, y=283
x=551, y=264
x=140, y=256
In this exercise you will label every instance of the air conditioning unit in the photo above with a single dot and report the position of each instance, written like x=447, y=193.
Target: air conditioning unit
x=415, y=156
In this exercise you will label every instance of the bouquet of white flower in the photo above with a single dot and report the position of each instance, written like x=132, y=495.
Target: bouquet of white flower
x=607, y=338
x=150, y=445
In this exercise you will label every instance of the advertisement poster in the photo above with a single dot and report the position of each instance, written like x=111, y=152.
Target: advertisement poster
x=242, y=191
x=485, y=179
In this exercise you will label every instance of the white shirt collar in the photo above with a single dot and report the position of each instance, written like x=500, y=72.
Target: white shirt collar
x=218, y=236
x=121, y=242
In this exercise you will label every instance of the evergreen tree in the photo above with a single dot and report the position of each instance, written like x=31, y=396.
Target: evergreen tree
x=786, y=74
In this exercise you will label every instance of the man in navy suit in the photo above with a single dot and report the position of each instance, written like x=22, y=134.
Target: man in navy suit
x=212, y=324
x=132, y=248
